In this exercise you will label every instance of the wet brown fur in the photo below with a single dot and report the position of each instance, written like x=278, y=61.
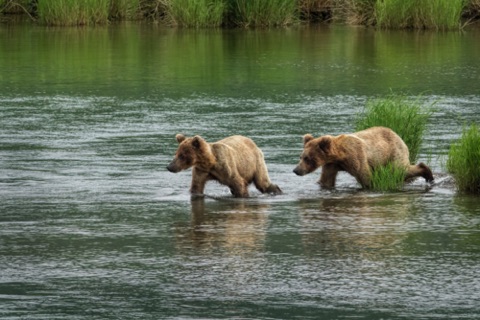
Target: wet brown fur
x=357, y=153
x=235, y=161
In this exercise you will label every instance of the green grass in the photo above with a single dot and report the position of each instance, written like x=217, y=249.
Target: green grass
x=73, y=12
x=86, y=12
x=197, y=13
x=464, y=160
x=424, y=14
x=263, y=13
x=388, y=178
x=394, y=13
x=406, y=117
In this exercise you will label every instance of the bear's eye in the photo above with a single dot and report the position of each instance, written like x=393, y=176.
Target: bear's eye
x=306, y=159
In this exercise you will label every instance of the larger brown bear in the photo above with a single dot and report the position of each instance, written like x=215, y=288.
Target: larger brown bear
x=235, y=161
x=359, y=154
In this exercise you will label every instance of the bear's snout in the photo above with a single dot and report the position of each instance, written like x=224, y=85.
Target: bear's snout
x=298, y=171
x=172, y=167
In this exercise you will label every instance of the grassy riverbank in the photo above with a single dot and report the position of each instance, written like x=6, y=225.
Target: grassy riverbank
x=425, y=14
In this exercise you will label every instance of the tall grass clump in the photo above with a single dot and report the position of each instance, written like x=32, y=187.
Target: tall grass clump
x=394, y=13
x=263, y=13
x=73, y=12
x=443, y=14
x=197, y=13
x=464, y=160
x=406, y=117
x=428, y=14
x=388, y=178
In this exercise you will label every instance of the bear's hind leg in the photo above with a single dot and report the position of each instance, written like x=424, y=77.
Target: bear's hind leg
x=239, y=189
x=264, y=185
x=273, y=189
x=267, y=187
x=262, y=182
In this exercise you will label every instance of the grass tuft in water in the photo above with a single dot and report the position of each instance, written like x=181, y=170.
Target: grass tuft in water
x=406, y=117
x=464, y=160
x=424, y=14
x=388, y=178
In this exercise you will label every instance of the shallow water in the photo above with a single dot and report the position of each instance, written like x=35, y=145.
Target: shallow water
x=94, y=227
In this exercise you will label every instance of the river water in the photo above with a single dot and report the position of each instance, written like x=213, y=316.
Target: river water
x=93, y=226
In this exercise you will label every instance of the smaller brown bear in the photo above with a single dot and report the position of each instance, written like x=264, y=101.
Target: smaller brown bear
x=358, y=154
x=235, y=161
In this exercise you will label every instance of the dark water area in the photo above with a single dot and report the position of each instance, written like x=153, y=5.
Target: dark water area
x=93, y=226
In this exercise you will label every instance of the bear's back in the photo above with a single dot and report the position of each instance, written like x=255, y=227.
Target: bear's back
x=384, y=145
x=237, y=142
x=239, y=148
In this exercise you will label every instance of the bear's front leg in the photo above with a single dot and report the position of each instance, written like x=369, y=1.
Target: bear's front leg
x=328, y=175
x=199, y=179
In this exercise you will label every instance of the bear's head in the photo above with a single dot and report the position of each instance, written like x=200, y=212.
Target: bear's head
x=316, y=153
x=191, y=151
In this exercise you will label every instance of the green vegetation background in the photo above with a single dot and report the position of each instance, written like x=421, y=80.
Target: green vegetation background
x=431, y=14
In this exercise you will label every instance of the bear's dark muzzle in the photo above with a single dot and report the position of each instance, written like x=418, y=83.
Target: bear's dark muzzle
x=172, y=167
x=298, y=171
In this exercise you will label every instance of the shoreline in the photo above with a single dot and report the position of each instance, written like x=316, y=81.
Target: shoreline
x=438, y=15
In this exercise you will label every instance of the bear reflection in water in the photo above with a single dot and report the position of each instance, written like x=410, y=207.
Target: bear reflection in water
x=358, y=225
x=235, y=161
x=227, y=226
x=358, y=154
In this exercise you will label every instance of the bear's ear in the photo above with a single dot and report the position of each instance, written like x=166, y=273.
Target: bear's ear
x=197, y=142
x=324, y=144
x=180, y=137
x=306, y=138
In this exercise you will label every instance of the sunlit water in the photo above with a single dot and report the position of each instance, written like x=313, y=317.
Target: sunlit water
x=93, y=226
